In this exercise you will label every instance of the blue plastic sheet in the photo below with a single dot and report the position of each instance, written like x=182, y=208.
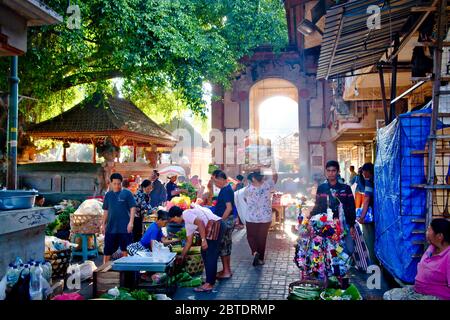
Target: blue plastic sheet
x=397, y=203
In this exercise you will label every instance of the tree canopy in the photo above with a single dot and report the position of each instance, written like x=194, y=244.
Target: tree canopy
x=163, y=49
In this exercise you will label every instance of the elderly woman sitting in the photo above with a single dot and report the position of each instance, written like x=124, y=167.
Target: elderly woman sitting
x=433, y=271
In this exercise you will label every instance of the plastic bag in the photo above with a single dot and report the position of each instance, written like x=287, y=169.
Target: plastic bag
x=87, y=270
x=56, y=244
x=159, y=252
x=161, y=297
x=90, y=207
x=69, y=296
x=369, y=215
x=46, y=288
x=3, y=288
x=114, y=292
x=101, y=243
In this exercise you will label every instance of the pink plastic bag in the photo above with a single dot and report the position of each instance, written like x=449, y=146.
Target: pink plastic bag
x=69, y=296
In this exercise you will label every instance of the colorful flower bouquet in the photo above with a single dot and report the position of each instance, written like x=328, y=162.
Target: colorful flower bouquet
x=320, y=249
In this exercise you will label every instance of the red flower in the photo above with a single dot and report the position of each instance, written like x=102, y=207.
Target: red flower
x=323, y=218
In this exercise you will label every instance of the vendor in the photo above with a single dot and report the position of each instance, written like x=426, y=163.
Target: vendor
x=433, y=271
x=172, y=188
x=154, y=232
x=143, y=206
x=208, y=197
x=331, y=194
x=40, y=200
x=196, y=220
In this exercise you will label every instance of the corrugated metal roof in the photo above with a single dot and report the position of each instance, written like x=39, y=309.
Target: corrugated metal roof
x=349, y=44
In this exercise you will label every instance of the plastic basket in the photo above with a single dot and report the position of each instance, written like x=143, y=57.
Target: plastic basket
x=60, y=262
x=85, y=223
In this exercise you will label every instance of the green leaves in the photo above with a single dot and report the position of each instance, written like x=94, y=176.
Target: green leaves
x=165, y=47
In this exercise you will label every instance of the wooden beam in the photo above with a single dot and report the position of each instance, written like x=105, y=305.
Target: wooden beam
x=94, y=153
x=426, y=9
x=383, y=94
x=416, y=27
x=431, y=44
x=394, y=81
x=64, y=158
x=330, y=64
x=423, y=9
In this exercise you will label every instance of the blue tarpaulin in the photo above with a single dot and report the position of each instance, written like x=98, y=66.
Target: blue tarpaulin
x=397, y=203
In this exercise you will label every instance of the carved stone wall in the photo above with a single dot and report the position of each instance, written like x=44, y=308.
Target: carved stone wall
x=235, y=109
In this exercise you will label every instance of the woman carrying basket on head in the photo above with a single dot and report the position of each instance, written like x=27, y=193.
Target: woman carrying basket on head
x=211, y=228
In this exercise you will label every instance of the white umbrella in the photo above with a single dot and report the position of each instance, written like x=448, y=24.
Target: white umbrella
x=174, y=170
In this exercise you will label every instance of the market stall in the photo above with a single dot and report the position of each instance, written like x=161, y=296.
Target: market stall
x=321, y=258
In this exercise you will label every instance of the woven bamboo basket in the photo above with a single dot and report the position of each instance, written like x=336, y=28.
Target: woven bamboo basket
x=194, y=264
x=60, y=262
x=85, y=223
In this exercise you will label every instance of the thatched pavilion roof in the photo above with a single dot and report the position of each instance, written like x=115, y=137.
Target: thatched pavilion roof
x=99, y=117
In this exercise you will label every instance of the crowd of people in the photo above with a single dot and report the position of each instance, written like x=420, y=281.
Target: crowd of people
x=124, y=213
x=249, y=203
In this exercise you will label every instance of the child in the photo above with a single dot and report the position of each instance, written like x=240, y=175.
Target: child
x=154, y=232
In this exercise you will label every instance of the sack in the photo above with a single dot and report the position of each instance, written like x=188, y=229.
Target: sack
x=369, y=215
x=213, y=229
x=3, y=288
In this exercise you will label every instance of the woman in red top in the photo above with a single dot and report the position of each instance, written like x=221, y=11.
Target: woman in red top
x=433, y=271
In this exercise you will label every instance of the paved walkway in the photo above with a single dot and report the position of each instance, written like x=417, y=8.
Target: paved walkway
x=269, y=281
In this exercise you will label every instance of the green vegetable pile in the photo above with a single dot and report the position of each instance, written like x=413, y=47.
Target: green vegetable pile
x=351, y=293
x=141, y=295
x=193, y=250
x=305, y=292
x=191, y=191
x=181, y=234
x=184, y=279
x=62, y=221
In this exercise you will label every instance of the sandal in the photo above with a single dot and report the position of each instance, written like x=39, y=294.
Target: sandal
x=203, y=289
x=256, y=259
x=223, y=278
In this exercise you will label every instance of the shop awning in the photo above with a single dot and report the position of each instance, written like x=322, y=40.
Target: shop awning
x=348, y=43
